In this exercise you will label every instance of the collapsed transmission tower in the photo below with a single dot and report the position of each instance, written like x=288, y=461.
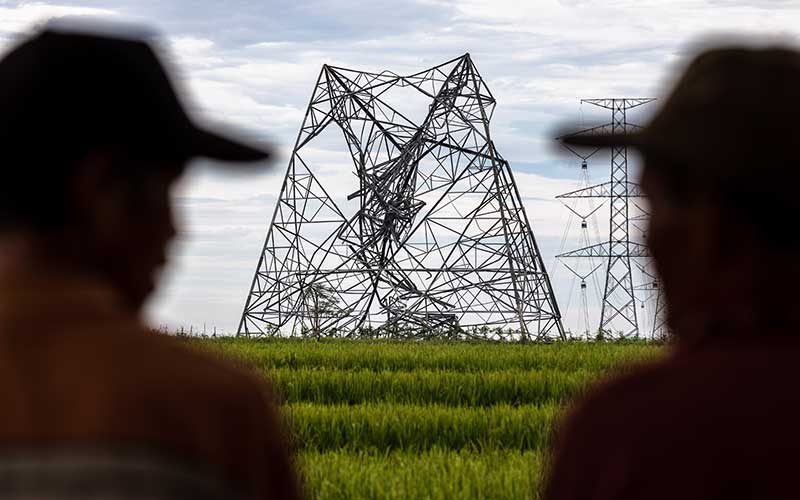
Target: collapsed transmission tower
x=618, y=309
x=437, y=239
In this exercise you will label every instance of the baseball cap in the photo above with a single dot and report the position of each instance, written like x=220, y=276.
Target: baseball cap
x=730, y=118
x=68, y=90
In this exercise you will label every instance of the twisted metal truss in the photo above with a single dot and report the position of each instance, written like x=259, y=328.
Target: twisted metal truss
x=438, y=239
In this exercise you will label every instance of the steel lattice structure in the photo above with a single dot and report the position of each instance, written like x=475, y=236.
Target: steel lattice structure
x=438, y=239
x=619, y=299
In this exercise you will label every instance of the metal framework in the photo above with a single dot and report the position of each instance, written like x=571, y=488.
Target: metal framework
x=433, y=240
x=652, y=285
x=619, y=301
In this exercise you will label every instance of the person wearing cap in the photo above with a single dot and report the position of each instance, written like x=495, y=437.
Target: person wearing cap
x=717, y=416
x=92, y=138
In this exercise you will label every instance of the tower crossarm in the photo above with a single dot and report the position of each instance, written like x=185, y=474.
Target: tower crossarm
x=619, y=103
x=602, y=250
x=604, y=190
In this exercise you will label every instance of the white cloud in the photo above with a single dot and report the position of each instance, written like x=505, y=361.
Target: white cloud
x=18, y=19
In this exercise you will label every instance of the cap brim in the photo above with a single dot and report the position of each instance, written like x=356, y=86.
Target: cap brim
x=634, y=139
x=218, y=147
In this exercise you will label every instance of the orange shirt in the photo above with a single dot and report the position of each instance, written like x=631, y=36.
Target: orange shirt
x=77, y=368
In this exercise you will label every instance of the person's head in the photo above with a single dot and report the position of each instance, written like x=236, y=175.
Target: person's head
x=719, y=171
x=92, y=137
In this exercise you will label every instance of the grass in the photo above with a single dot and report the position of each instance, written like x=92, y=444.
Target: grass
x=392, y=427
x=430, y=355
x=428, y=387
x=401, y=420
x=434, y=474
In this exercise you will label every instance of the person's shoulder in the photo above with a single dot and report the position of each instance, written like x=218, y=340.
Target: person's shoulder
x=594, y=434
x=622, y=396
x=189, y=368
x=630, y=380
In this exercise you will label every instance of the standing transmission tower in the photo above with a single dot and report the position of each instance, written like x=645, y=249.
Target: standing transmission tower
x=618, y=312
x=431, y=237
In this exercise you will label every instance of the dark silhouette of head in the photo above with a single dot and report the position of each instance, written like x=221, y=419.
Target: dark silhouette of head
x=720, y=172
x=92, y=138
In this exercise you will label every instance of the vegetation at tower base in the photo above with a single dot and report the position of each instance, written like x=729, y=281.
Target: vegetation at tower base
x=324, y=307
x=428, y=419
x=321, y=304
x=429, y=239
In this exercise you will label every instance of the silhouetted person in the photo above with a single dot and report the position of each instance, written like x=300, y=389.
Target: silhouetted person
x=92, y=137
x=720, y=417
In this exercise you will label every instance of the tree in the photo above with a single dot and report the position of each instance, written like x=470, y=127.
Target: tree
x=320, y=303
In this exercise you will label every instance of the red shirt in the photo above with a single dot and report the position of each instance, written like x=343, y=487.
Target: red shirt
x=719, y=420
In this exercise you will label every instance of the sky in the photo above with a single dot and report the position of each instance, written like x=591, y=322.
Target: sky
x=251, y=66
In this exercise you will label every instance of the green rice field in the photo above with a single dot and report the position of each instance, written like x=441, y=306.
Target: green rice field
x=377, y=419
